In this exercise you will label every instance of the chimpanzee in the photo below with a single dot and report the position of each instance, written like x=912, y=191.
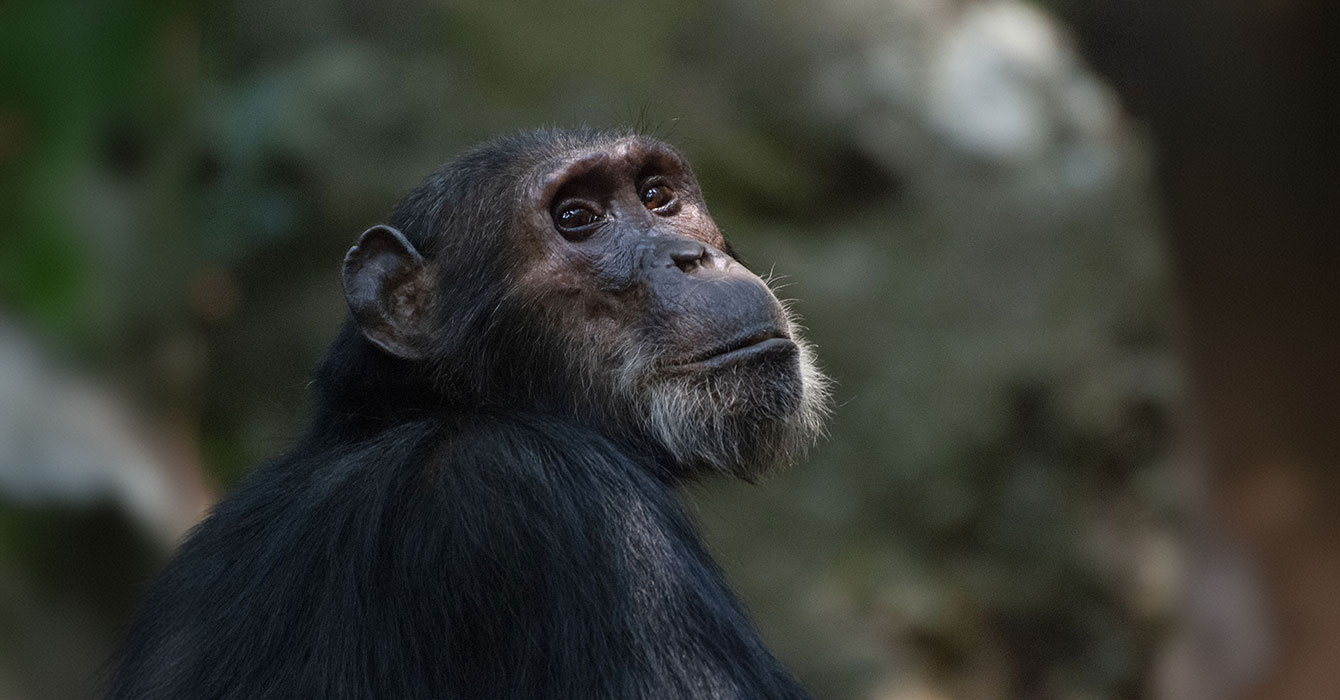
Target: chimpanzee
x=549, y=337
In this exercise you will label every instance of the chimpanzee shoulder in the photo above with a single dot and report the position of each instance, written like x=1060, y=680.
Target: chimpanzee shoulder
x=479, y=557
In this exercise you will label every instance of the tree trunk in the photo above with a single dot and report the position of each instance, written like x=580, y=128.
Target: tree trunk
x=1240, y=96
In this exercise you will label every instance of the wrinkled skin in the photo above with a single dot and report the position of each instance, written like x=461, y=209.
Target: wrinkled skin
x=654, y=254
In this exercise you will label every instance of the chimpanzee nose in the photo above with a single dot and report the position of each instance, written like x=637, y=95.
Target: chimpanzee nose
x=684, y=253
x=689, y=256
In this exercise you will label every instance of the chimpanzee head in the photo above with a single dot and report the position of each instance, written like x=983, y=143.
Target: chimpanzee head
x=579, y=274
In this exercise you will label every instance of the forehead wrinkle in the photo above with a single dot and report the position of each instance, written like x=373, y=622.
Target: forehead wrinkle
x=625, y=155
x=553, y=175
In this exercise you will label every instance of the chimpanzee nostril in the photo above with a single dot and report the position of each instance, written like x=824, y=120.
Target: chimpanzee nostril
x=688, y=255
x=670, y=252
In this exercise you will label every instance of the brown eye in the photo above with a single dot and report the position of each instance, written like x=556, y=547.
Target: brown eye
x=573, y=217
x=656, y=196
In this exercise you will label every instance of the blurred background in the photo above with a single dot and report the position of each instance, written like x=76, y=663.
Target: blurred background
x=1074, y=265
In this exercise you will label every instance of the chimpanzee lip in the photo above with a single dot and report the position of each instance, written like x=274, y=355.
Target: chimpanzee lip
x=741, y=347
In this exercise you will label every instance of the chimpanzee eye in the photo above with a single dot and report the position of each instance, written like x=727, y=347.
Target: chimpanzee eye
x=574, y=216
x=656, y=196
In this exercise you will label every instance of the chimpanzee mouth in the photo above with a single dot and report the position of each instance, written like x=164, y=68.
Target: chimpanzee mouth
x=743, y=347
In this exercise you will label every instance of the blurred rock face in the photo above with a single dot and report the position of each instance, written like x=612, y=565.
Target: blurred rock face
x=996, y=83
x=1004, y=87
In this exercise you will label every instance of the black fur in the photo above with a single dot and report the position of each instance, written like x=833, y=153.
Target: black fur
x=444, y=530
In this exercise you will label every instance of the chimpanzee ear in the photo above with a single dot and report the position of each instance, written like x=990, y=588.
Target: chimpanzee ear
x=390, y=292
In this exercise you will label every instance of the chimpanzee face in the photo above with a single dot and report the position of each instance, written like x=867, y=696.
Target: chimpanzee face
x=613, y=256
x=621, y=252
